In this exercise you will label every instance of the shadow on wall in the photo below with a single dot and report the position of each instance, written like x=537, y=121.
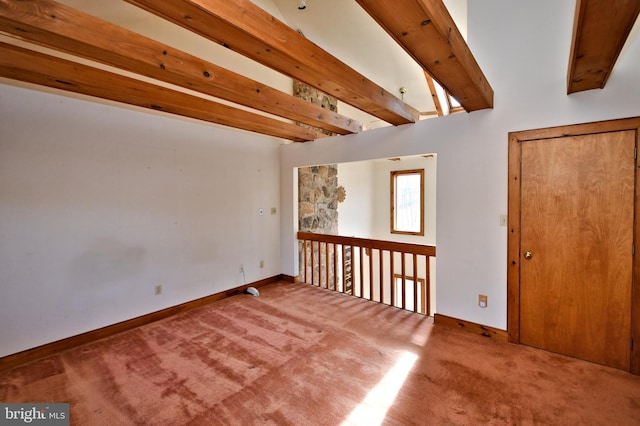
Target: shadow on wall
x=107, y=260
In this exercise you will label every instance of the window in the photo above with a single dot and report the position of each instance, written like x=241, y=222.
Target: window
x=407, y=202
x=454, y=105
x=444, y=103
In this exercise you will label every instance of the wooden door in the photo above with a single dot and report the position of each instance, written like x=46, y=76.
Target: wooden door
x=573, y=244
x=577, y=239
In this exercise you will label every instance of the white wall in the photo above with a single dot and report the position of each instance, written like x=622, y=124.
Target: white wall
x=523, y=49
x=99, y=204
x=382, y=184
x=365, y=211
x=355, y=213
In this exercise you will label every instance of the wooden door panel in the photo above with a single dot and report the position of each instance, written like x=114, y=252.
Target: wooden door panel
x=577, y=218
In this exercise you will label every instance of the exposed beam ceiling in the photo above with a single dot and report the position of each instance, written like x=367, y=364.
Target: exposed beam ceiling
x=245, y=28
x=600, y=30
x=59, y=27
x=34, y=67
x=427, y=32
x=81, y=53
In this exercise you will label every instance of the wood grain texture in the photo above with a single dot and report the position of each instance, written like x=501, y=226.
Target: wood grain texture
x=420, y=249
x=631, y=123
x=472, y=327
x=62, y=28
x=600, y=30
x=513, y=240
x=247, y=29
x=434, y=94
x=516, y=139
x=426, y=31
x=577, y=218
x=635, y=291
x=45, y=70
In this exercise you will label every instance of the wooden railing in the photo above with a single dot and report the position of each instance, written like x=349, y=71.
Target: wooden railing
x=389, y=272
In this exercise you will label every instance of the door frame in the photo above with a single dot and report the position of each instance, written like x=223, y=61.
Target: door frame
x=513, y=223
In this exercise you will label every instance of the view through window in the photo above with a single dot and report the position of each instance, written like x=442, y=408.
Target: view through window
x=407, y=202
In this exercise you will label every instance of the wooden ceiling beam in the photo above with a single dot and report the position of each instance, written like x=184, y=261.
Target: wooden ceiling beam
x=434, y=94
x=600, y=30
x=33, y=67
x=60, y=27
x=245, y=28
x=427, y=32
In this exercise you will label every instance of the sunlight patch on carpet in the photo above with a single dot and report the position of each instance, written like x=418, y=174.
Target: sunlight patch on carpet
x=373, y=409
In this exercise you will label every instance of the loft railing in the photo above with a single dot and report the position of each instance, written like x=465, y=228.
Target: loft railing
x=389, y=272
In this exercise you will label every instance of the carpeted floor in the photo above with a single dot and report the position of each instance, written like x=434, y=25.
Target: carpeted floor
x=299, y=355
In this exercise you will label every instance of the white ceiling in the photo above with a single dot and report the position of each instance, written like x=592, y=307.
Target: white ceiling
x=345, y=30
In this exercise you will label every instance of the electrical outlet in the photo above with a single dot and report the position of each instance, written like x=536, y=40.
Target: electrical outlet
x=503, y=220
x=158, y=290
x=482, y=300
x=242, y=268
x=262, y=263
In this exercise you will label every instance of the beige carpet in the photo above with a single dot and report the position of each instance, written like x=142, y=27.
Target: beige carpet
x=299, y=355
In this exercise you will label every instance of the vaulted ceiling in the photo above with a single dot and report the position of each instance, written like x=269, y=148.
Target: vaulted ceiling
x=72, y=49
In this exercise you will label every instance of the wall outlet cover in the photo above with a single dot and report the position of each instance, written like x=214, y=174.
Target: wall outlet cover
x=483, y=300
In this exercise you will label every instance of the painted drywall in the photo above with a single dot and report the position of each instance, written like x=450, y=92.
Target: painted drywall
x=382, y=184
x=458, y=11
x=523, y=48
x=355, y=213
x=99, y=204
x=365, y=211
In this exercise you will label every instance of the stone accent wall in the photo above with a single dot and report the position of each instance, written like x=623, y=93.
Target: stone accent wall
x=315, y=96
x=318, y=198
x=318, y=191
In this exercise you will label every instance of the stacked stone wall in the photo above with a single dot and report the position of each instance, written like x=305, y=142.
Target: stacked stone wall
x=318, y=198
